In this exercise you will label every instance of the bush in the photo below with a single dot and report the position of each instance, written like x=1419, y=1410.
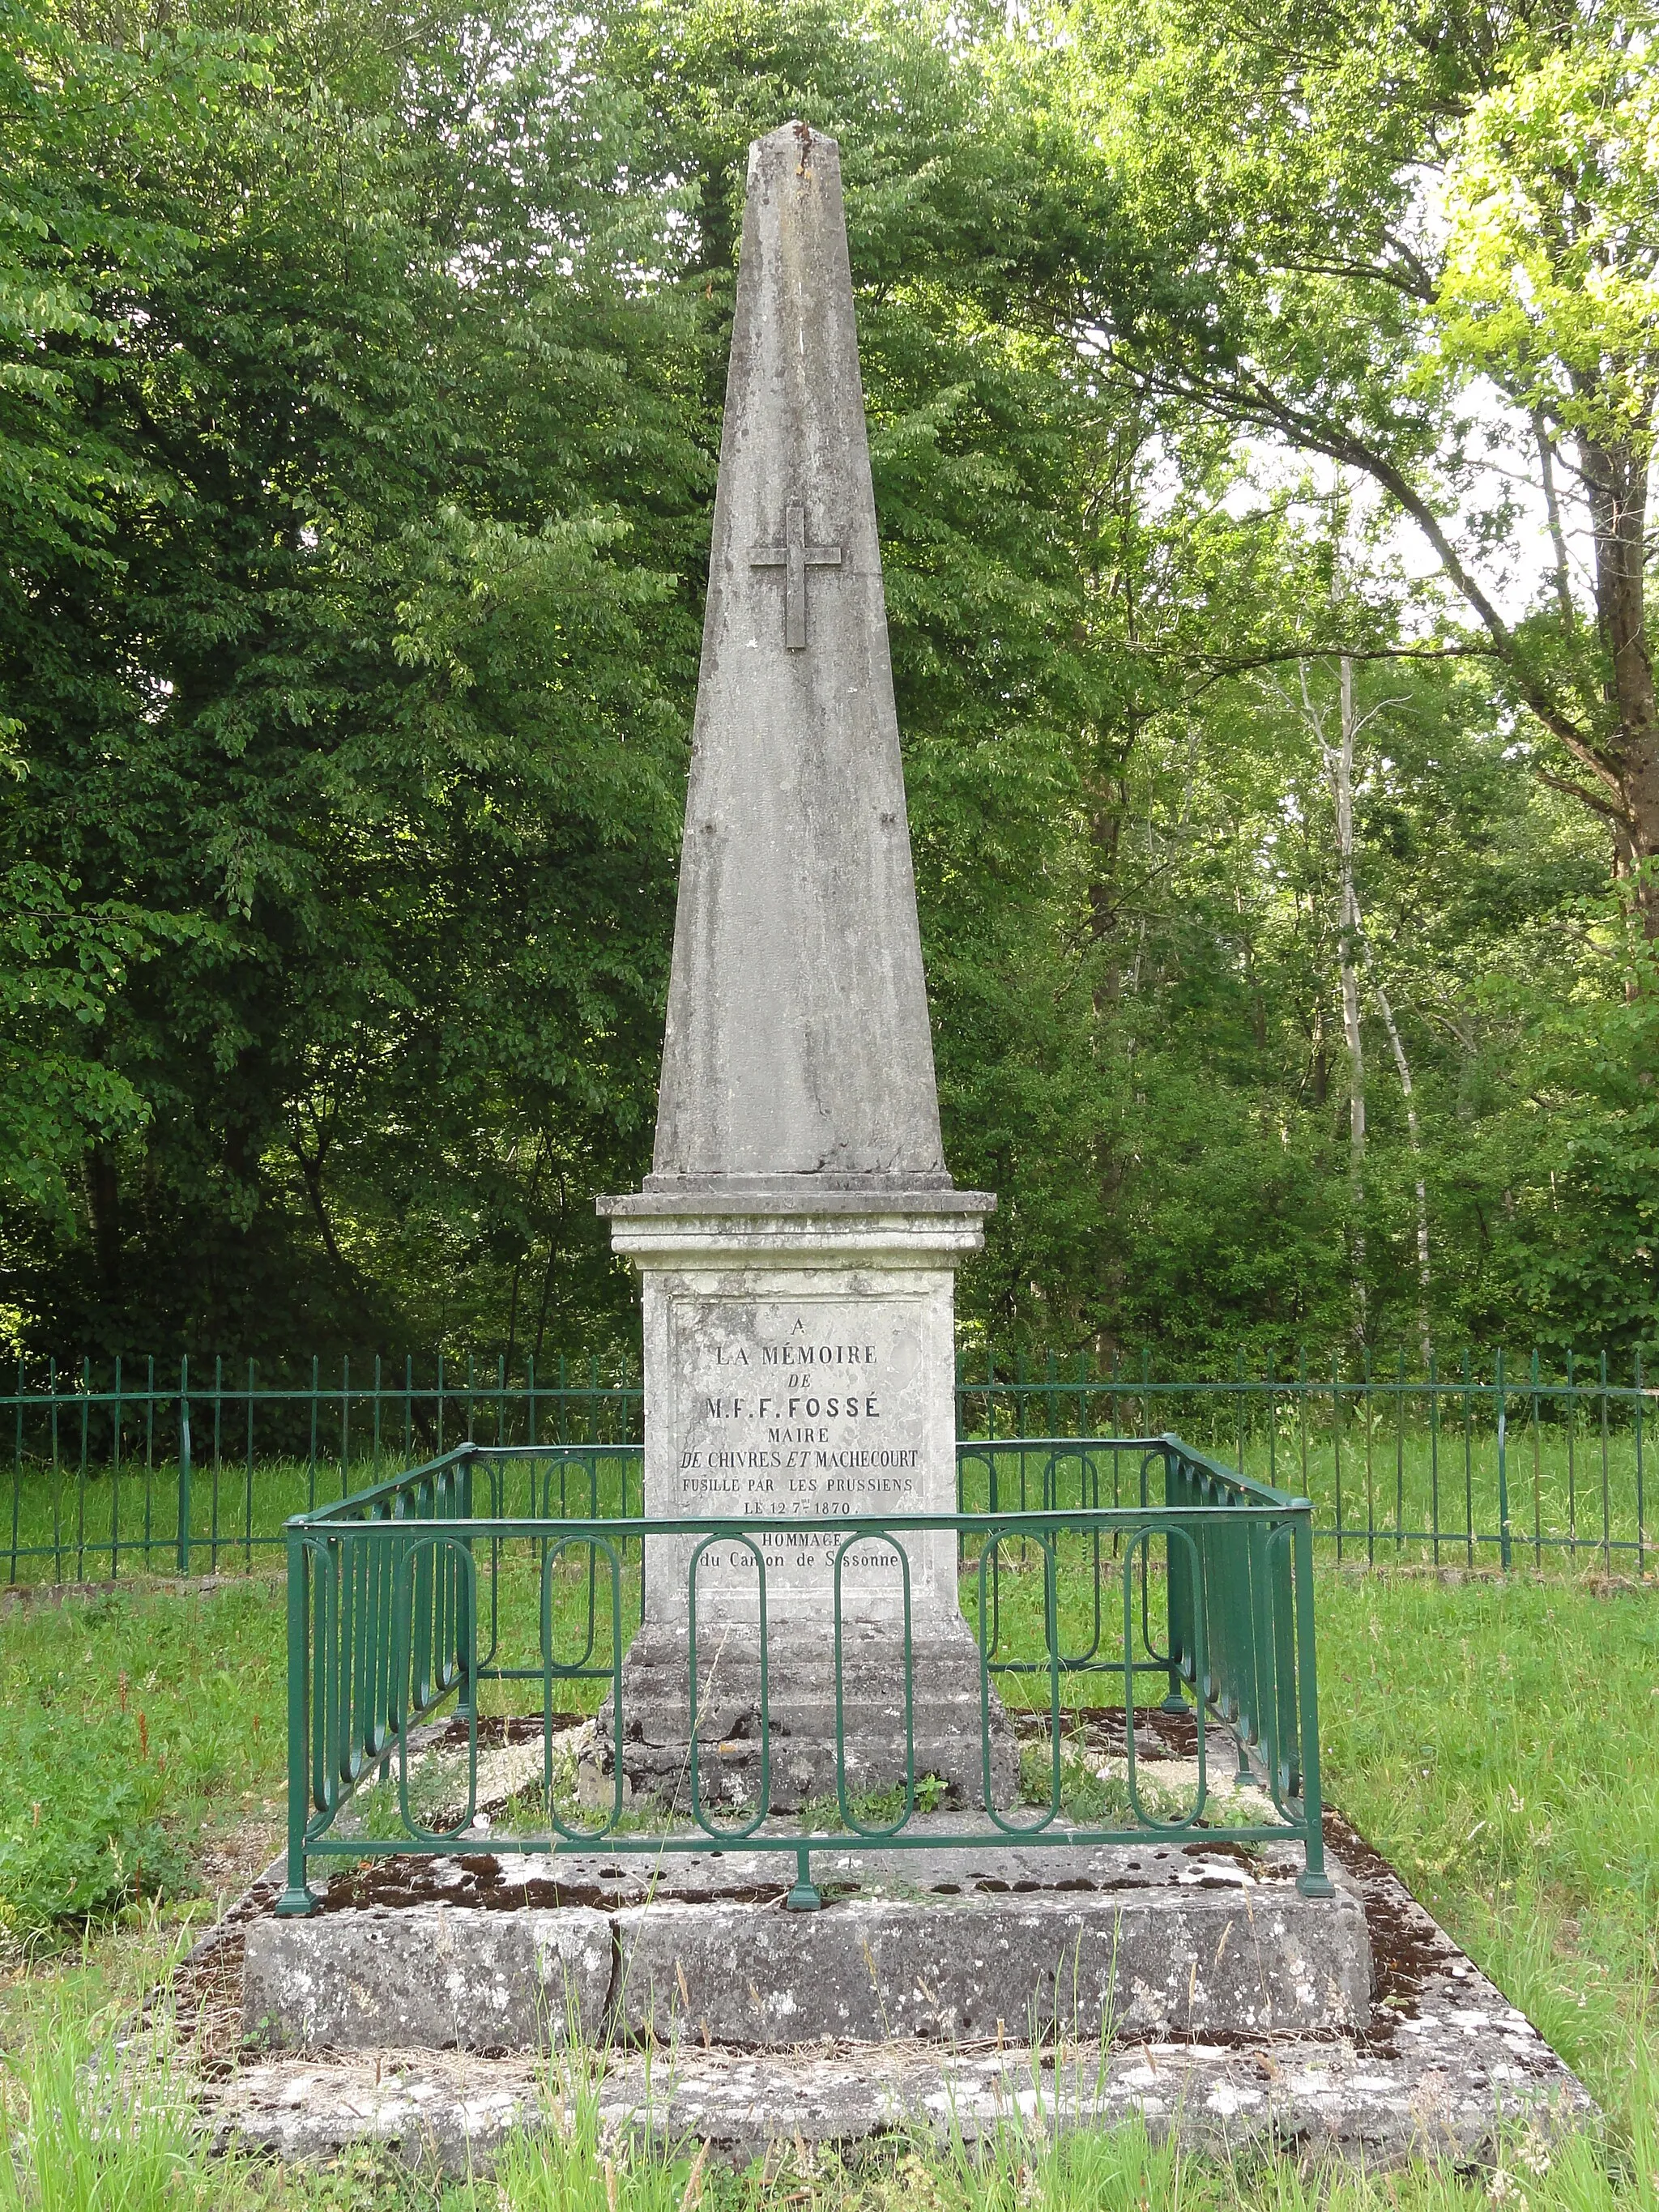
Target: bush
x=91, y=1841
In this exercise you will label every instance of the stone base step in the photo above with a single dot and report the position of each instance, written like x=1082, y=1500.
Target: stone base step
x=1444, y=2066
x=948, y=1944
x=1448, y=2093
x=798, y=1719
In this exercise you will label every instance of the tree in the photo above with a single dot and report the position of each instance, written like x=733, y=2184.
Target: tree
x=1275, y=256
x=360, y=378
x=333, y=654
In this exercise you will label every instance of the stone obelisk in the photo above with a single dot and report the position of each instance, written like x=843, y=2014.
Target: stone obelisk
x=799, y=1234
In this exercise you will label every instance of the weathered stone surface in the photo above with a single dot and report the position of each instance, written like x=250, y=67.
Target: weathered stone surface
x=438, y=1978
x=1327, y=2098
x=798, y=1040
x=1450, y=2094
x=994, y=1865
x=1159, y=1963
x=799, y=1370
x=1445, y=2066
x=798, y=1235
x=953, y=1944
x=945, y=1733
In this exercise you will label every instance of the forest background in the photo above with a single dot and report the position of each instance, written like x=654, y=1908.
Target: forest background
x=1261, y=409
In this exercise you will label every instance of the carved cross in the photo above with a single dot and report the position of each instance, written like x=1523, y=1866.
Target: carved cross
x=794, y=556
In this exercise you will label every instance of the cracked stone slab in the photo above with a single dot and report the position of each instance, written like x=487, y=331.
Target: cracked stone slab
x=1445, y=2064
x=1450, y=2096
x=1148, y=1962
x=947, y=1943
x=444, y=1977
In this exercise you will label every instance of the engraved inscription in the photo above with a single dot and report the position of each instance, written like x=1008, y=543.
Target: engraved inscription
x=795, y=1409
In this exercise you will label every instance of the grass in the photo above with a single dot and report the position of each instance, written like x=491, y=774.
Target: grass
x=1498, y=1742
x=129, y=1722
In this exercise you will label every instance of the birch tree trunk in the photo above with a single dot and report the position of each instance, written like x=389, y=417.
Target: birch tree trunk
x=1340, y=759
x=1403, y=1067
x=1353, y=950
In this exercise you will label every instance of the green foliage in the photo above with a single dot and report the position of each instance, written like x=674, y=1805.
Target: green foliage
x=123, y=1716
x=360, y=378
x=339, y=666
x=92, y=1843
x=1092, y=1800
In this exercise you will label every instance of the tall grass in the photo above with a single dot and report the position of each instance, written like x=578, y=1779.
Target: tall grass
x=78, y=2135
x=1496, y=1741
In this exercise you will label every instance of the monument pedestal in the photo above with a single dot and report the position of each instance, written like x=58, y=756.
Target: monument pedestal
x=800, y=1366
x=946, y=1732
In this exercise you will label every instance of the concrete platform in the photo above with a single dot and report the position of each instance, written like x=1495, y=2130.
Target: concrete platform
x=1448, y=2093
x=1442, y=2067
x=932, y=1943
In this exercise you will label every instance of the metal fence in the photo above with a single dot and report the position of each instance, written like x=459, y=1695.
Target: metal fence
x=1479, y=1460
x=1193, y=1594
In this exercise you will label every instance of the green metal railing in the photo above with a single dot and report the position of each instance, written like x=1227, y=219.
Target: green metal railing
x=198, y=1469
x=520, y=1566
x=1499, y=1461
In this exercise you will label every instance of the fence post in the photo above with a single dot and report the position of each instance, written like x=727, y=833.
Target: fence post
x=1336, y=1444
x=17, y=1471
x=311, y=1463
x=1537, y=1470
x=1400, y=1451
x=1469, y=1466
x=1606, y=1501
x=1312, y=1881
x=1641, y=1540
x=115, y=1482
x=57, y=1483
x=150, y=1462
x=81, y=1480
x=1370, y=1476
x=1503, y=1469
x=183, y=1533
x=296, y=1898
x=1434, y=1451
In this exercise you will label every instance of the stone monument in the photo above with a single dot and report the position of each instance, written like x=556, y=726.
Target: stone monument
x=798, y=1235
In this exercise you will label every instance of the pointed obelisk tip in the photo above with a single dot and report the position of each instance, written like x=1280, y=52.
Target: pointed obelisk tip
x=797, y=144
x=797, y=1053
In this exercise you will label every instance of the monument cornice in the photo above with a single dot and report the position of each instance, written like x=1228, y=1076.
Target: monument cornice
x=778, y=1200
x=888, y=1238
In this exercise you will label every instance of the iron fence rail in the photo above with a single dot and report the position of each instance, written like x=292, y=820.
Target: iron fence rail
x=1505, y=1462
x=421, y=1590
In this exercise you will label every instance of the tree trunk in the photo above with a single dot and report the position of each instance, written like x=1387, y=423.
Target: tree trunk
x=1340, y=760
x=1403, y=1067
x=1618, y=480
